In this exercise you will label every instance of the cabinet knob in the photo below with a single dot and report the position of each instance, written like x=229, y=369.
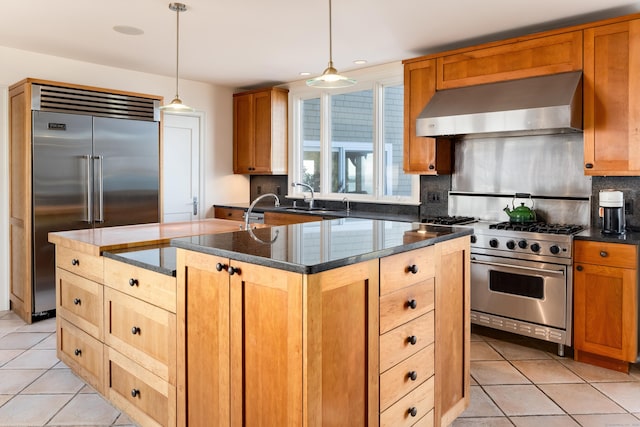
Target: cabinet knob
x=412, y=304
x=233, y=270
x=604, y=254
x=579, y=268
x=75, y=262
x=220, y=266
x=413, y=269
x=135, y=330
x=135, y=392
x=77, y=352
x=412, y=340
x=77, y=301
x=133, y=282
x=588, y=165
x=431, y=167
x=413, y=411
x=413, y=375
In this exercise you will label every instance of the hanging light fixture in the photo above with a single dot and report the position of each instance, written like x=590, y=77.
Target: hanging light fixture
x=330, y=79
x=176, y=105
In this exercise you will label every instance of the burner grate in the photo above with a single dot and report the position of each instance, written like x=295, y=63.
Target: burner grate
x=538, y=227
x=448, y=220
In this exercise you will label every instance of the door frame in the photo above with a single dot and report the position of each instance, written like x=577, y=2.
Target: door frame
x=4, y=199
x=200, y=115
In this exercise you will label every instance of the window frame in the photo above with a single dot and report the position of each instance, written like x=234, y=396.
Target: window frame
x=375, y=79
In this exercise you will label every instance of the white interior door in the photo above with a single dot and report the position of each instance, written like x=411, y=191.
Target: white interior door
x=181, y=168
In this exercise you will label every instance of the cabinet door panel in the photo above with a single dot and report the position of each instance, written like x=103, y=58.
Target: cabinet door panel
x=243, y=133
x=262, y=144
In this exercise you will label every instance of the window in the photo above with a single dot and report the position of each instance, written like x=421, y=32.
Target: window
x=350, y=142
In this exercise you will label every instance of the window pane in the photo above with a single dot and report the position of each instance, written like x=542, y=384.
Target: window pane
x=352, y=142
x=311, y=143
x=396, y=183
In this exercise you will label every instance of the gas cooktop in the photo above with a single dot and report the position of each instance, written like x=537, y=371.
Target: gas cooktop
x=538, y=227
x=448, y=220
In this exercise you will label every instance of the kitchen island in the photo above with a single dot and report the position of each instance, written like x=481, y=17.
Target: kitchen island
x=342, y=322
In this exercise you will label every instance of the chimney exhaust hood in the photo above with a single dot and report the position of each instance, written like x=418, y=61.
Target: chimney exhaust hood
x=543, y=105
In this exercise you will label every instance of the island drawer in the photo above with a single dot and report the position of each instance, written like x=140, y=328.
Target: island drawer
x=406, y=376
x=234, y=214
x=81, y=352
x=85, y=265
x=142, y=332
x=609, y=254
x=147, y=399
x=406, y=304
x=150, y=286
x=79, y=300
x=412, y=408
x=405, y=269
x=396, y=345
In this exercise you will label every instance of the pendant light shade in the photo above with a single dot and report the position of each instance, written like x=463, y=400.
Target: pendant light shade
x=330, y=79
x=176, y=104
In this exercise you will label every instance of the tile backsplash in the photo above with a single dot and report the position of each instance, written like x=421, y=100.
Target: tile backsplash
x=630, y=187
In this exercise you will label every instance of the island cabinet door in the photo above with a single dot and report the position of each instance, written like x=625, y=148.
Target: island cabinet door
x=266, y=346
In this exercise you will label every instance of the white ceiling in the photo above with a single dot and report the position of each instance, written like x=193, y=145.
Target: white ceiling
x=247, y=43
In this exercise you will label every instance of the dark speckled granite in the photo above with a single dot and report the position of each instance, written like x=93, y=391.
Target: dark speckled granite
x=594, y=234
x=159, y=259
x=318, y=246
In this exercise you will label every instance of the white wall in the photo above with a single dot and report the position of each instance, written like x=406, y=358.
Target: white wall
x=221, y=185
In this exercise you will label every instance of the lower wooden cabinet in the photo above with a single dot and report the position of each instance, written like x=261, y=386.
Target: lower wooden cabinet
x=416, y=405
x=80, y=351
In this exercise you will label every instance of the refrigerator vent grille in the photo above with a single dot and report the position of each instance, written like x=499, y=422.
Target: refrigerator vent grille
x=78, y=101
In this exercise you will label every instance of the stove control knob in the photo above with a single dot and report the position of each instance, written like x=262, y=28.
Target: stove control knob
x=493, y=243
x=511, y=244
x=554, y=249
x=473, y=238
x=535, y=247
x=522, y=244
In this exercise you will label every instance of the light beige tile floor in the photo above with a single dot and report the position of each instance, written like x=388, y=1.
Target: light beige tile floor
x=518, y=381
x=515, y=382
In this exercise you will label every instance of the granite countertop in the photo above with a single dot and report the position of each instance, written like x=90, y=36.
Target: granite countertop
x=313, y=247
x=595, y=234
x=161, y=259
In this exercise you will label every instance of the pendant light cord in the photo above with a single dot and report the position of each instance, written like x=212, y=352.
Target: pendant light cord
x=177, y=44
x=330, y=38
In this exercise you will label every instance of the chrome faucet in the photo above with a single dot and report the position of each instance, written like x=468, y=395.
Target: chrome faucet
x=346, y=201
x=302, y=184
x=248, y=213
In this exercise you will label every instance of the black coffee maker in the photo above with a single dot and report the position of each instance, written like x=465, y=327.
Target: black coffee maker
x=612, y=211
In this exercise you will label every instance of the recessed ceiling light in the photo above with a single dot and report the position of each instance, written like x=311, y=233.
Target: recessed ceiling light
x=130, y=31
x=360, y=61
x=305, y=73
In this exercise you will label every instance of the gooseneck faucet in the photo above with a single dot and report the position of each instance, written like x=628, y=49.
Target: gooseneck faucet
x=248, y=213
x=302, y=184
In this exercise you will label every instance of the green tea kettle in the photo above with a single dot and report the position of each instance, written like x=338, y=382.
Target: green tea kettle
x=521, y=213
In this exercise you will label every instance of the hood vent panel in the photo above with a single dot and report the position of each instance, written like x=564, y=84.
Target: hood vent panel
x=538, y=105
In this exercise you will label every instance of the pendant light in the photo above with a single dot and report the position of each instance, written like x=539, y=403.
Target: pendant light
x=176, y=105
x=330, y=79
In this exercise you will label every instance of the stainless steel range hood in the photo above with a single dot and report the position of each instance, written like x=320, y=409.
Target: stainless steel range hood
x=538, y=105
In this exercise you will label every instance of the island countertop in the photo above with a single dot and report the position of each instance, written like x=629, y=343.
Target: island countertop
x=323, y=245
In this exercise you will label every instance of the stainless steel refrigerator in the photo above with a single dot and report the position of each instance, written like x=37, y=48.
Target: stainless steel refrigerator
x=88, y=172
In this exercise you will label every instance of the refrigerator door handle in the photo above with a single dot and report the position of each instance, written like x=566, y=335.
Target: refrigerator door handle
x=89, y=218
x=100, y=189
x=195, y=205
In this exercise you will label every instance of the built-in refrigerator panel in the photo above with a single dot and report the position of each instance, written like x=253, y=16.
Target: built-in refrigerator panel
x=62, y=150
x=126, y=164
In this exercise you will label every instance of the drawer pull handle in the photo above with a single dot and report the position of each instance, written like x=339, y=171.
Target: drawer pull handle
x=77, y=301
x=412, y=304
x=604, y=254
x=135, y=330
x=412, y=340
x=233, y=270
x=220, y=266
x=75, y=262
x=413, y=411
x=413, y=269
x=413, y=375
x=579, y=268
x=78, y=352
x=135, y=392
x=133, y=282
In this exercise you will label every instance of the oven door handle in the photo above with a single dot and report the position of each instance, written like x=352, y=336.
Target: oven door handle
x=537, y=270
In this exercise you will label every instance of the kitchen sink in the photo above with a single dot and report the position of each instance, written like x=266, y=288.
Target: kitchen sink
x=315, y=210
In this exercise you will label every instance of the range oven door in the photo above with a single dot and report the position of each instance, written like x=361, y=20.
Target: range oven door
x=529, y=291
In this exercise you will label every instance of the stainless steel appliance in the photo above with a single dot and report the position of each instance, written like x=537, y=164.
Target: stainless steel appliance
x=95, y=164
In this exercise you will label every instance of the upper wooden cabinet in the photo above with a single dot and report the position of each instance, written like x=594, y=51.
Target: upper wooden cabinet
x=427, y=156
x=612, y=99
x=260, y=131
x=514, y=59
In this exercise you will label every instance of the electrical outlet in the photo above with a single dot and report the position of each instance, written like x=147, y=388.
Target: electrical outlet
x=259, y=190
x=434, y=196
x=278, y=191
x=628, y=206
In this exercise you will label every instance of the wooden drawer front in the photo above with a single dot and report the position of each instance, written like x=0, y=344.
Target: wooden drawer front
x=396, y=308
x=421, y=400
x=82, y=264
x=610, y=254
x=147, y=399
x=141, y=331
x=396, y=346
x=80, y=301
x=397, y=381
x=81, y=352
x=229, y=213
x=154, y=288
x=396, y=270
x=528, y=58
